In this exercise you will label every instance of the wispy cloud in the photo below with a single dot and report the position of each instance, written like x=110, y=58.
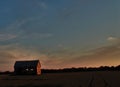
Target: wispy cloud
x=16, y=25
x=16, y=30
x=43, y=5
x=39, y=4
x=61, y=58
x=11, y=53
x=108, y=55
x=6, y=57
x=37, y=36
x=4, y=37
x=113, y=39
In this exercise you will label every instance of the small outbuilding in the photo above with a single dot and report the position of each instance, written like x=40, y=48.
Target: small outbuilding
x=31, y=67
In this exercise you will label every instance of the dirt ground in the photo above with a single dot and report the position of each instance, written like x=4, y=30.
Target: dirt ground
x=78, y=79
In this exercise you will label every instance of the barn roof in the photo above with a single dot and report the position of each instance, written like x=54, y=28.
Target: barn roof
x=30, y=63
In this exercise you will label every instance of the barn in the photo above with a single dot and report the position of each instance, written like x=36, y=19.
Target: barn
x=30, y=67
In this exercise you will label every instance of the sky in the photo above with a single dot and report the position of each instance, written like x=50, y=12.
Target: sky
x=60, y=33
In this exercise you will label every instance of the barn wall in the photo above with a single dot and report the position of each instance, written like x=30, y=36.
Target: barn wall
x=38, y=69
x=24, y=71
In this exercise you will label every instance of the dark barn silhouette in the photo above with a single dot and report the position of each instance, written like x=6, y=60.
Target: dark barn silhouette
x=31, y=67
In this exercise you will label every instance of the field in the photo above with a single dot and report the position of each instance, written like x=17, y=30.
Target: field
x=76, y=79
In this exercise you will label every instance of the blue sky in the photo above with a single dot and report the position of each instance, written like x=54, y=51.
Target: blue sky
x=60, y=33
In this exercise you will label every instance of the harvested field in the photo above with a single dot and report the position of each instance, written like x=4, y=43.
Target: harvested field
x=77, y=79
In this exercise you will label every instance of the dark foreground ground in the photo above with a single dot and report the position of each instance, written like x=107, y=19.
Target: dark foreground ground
x=78, y=79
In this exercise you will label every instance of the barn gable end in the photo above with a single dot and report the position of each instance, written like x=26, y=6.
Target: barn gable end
x=32, y=67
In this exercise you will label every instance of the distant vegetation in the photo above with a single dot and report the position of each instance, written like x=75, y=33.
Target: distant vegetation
x=81, y=69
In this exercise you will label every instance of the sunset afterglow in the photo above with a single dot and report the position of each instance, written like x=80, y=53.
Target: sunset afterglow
x=60, y=33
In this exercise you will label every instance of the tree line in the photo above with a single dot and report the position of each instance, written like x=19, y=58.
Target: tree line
x=80, y=69
x=83, y=69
